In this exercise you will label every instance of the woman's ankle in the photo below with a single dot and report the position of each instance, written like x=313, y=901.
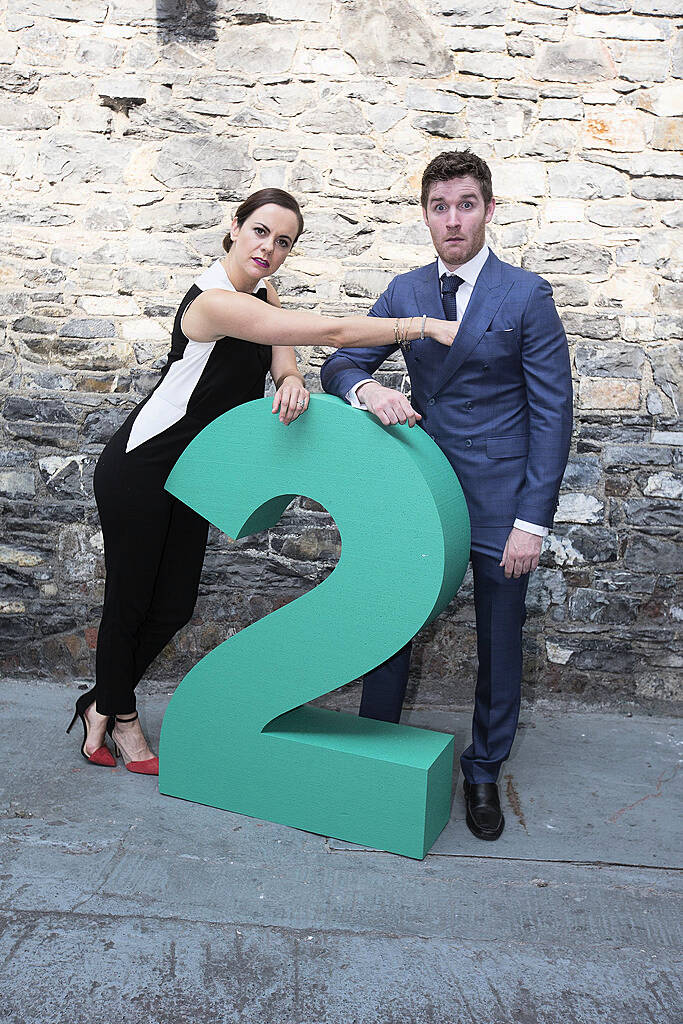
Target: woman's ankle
x=129, y=734
x=95, y=716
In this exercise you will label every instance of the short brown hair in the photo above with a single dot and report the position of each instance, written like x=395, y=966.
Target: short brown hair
x=263, y=197
x=462, y=162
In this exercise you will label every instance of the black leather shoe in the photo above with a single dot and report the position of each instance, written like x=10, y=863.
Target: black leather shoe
x=484, y=817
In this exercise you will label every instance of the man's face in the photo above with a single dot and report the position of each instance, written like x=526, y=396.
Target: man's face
x=456, y=216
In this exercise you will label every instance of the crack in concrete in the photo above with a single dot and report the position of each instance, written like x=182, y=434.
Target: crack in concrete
x=303, y=935
x=331, y=850
x=116, y=858
x=661, y=780
x=172, y=961
x=528, y=860
x=515, y=802
x=26, y=933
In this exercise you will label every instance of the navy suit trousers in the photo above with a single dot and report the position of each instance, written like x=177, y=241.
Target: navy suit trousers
x=500, y=614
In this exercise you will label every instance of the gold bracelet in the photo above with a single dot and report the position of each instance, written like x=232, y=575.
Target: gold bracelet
x=400, y=332
x=278, y=382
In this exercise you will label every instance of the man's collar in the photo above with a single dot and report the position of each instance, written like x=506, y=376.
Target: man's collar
x=469, y=271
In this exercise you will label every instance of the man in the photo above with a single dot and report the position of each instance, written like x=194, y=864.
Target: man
x=499, y=405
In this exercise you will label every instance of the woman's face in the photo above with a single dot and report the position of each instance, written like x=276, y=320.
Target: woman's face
x=261, y=244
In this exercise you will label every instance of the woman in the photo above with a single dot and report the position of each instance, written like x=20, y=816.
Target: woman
x=154, y=544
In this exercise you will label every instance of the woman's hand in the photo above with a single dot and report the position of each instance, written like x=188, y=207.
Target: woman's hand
x=291, y=398
x=443, y=331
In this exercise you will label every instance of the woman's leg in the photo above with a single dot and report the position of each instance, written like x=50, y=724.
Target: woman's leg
x=176, y=585
x=135, y=513
x=154, y=550
x=172, y=604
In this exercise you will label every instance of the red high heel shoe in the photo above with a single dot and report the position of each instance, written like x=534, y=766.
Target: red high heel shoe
x=103, y=755
x=150, y=766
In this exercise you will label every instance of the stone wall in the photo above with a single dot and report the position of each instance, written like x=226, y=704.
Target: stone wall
x=131, y=130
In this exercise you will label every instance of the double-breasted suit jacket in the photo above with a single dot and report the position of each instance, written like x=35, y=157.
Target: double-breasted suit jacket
x=498, y=403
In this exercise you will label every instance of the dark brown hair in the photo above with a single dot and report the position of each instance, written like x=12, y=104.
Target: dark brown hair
x=262, y=198
x=462, y=162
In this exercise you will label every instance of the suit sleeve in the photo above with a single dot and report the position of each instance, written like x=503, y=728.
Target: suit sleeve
x=347, y=367
x=548, y=380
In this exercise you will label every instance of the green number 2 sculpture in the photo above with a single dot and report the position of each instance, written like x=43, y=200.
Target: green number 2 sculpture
x=235, y=734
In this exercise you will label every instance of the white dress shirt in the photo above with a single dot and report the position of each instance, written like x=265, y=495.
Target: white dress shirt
x=468, y=273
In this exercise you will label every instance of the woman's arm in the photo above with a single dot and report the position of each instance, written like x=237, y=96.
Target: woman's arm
x=217, y=313
x=291, y=396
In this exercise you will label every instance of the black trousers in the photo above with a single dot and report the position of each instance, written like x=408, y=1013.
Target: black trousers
x=153, y=550
x=500, y=611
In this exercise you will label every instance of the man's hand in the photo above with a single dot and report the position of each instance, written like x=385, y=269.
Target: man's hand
x=387, y=405
x=521, y=554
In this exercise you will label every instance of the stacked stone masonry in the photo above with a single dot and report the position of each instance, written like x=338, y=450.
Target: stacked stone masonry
x=131, y=130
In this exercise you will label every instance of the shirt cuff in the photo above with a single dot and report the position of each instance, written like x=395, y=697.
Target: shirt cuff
x=351, y=396
x=539, y=531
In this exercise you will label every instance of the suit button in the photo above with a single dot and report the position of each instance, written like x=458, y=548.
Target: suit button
x=468, y=443
x=468, y=406
x=431, y=401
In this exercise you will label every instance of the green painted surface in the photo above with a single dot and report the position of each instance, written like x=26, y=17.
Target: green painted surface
x=235, y=734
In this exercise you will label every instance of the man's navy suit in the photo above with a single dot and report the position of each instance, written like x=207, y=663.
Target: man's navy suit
x=499, y=405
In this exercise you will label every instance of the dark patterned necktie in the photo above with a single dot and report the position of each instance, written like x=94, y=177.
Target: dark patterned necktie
x=449, y=286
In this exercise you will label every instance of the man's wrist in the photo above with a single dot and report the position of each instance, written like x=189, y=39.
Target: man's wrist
x=363, y=385
x=351, y=395
x=538, y=531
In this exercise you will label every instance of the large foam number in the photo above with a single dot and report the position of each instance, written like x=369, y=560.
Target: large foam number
x=234, y=734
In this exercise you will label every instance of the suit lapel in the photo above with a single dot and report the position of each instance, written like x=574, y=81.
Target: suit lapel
x=428, y=292
x=487, y=295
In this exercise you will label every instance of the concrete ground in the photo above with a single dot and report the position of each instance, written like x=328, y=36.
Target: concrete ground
x=120, y=904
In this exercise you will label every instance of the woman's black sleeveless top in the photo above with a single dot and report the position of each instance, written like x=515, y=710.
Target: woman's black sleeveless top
x=199, y=382
x=234, y=373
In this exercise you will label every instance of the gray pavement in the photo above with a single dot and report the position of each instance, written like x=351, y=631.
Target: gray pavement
x=120, y=904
